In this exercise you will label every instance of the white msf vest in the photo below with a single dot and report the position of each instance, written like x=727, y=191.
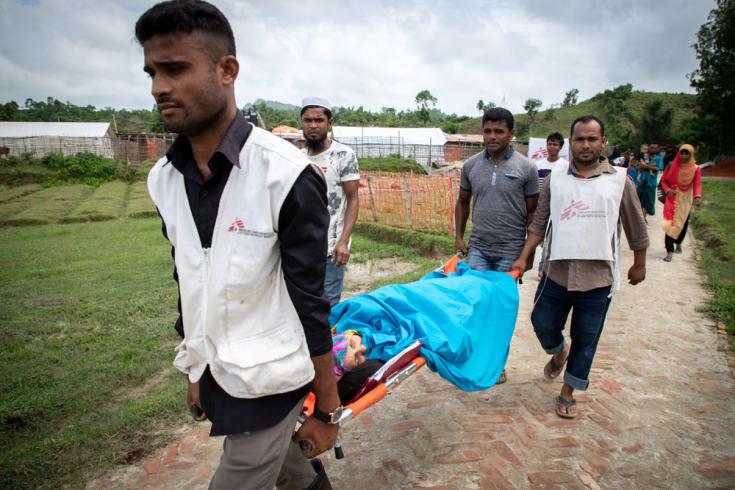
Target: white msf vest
x=584, y=215
x=238, y=316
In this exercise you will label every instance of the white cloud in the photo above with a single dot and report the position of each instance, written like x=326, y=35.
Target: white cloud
x=372, y=54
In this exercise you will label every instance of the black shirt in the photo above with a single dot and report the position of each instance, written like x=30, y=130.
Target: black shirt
x=302, y=233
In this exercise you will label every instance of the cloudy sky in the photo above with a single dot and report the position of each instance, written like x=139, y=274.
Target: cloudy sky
x=366, y=53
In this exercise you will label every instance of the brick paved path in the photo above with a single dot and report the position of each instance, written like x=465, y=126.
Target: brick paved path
x=659, y=412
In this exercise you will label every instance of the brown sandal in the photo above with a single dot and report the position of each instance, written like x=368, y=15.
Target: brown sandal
x=502, y=378
x=552, y=370
x=566, y=409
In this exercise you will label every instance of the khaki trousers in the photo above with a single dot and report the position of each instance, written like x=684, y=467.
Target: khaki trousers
x=257, y=460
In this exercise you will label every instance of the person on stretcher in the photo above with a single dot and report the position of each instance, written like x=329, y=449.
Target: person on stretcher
x=351, y=368
x=464, y=319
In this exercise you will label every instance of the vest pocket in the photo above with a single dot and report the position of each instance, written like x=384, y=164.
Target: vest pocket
x=256, y=330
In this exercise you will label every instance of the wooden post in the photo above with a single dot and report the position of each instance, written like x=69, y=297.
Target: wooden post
x=372, y=199
x=450, y=180
x=407, y=201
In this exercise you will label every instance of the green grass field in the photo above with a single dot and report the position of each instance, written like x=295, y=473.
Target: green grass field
x=714, y=226
x=87, y=341
x=87, y=314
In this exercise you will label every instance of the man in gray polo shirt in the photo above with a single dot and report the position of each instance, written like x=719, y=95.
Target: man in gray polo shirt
x=504, y=184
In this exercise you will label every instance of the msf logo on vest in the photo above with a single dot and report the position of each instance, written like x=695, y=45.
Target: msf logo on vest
x=576, y=207
x=238, y=226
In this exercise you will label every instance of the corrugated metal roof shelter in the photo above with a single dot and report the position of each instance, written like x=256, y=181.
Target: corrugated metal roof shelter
x=425, y=145
x=68, y=138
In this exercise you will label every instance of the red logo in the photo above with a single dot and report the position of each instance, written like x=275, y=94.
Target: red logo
x=236, y=226
x=571, y=210
x=324, y=169
x=542, y=153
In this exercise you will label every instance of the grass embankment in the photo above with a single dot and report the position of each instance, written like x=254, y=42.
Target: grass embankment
x=392, y=163
x=87, y=340
x=45, y=206
x=139, y=202
x=425, y=250
x=107, y=202
x=714, y=226
x=32, y=204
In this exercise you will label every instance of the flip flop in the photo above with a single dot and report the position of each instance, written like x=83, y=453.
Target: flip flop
x=503, y=378
x=668, y=258
x=552, y=370
x=563, y=407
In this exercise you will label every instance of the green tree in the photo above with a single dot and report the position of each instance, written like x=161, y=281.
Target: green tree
x=480, y=105
x=616, y=113
x=550, y=113
x=424, y=99
x=570, y=98
x=531, y=107
x=9, y=111
x=714, y=80
x=655, y=123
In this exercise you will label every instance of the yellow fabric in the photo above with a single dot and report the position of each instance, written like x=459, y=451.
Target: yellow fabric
x=683, y=206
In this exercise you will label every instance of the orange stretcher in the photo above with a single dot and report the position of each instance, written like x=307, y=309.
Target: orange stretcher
x=386, y=379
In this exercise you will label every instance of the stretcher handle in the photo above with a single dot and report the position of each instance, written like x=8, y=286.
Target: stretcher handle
x=514, y=273
x=368, y=399
x=378, y=393
x=451, y=266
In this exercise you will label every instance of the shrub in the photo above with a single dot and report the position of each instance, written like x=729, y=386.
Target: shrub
x=391, y=163
x=87, y=168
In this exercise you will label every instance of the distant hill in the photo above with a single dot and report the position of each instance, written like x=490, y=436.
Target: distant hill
x=560, y=119
x=274, y=104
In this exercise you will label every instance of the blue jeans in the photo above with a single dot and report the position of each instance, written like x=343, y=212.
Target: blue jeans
x=333, y=281
x=589, y=309
x=481, y=262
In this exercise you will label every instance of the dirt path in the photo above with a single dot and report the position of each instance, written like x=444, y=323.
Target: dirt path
x=659, y=412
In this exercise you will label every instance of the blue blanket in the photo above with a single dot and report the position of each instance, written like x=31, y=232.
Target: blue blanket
x=465, y=321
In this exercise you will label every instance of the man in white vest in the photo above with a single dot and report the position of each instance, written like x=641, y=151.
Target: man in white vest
x=247, y=219
x=579, y=212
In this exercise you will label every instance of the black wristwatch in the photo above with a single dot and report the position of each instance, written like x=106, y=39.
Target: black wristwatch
x=328, y=418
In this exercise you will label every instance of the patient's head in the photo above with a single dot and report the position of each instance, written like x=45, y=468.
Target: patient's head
x=348, y=350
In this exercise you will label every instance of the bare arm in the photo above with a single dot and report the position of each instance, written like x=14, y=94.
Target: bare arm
x=522, y=263
x=341, y=254
x=461, y=214
x=318, y=434
x=531, y=204
x=637, y=271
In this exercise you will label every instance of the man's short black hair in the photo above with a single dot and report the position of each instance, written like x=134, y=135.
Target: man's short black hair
x=585, y=120
x=186, y=17
x=498, y=114
x=327, y=112
x=556, y=136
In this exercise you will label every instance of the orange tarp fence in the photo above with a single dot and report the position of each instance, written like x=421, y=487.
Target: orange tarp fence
x=408, y=200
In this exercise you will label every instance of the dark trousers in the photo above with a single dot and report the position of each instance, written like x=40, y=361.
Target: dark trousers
x=670, y=242
x=589, y=309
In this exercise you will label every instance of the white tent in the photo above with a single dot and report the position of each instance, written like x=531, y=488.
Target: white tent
x=425, y=145
x=68, y=138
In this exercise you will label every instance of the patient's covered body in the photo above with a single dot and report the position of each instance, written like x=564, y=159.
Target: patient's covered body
x=464, y=320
